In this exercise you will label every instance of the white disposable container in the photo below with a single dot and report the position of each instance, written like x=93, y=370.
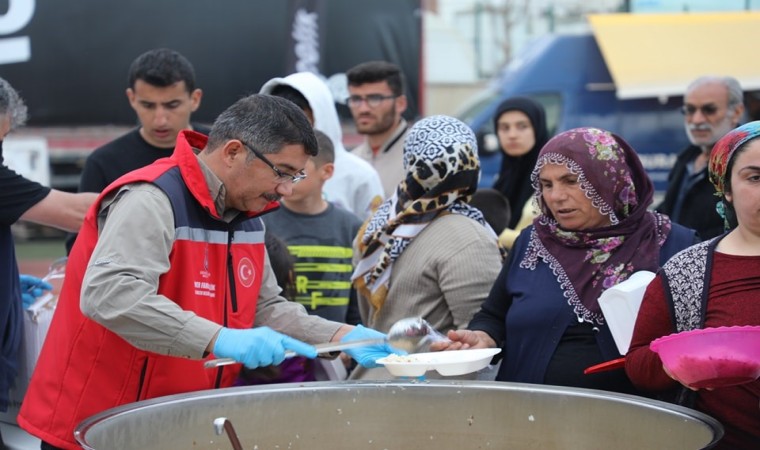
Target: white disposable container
x=450, y=363
x=620, y=306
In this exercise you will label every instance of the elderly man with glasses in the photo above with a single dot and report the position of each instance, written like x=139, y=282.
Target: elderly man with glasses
x=713, y=106
x=170, y=269
x=376, y=100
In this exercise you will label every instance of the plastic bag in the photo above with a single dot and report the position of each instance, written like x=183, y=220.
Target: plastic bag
x=35, y=330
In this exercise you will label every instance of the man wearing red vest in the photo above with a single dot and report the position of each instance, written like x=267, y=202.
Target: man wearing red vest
x=170, y=269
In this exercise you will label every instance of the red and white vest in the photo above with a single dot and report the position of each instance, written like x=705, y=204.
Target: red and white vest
x=216, y=271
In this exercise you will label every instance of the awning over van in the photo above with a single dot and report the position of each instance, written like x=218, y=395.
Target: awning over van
x=658, y=55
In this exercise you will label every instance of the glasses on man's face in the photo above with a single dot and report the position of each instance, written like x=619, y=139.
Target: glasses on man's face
x=372, y=100
x=282, y=177
x=706, y=110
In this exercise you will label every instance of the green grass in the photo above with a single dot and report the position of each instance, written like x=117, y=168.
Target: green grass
x=40, y=249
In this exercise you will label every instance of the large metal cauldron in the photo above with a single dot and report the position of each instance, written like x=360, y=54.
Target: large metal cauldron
x=402, y=415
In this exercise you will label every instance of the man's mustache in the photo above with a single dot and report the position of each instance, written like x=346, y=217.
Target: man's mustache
x=700, y=127
x=272, y=197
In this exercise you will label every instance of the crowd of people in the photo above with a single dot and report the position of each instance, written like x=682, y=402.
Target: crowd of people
x=263, y=234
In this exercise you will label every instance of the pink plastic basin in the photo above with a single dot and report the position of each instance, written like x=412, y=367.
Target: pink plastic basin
x=712, y=357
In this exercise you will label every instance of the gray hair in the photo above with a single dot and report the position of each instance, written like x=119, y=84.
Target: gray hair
x=11, y=105
x=265, y=122
x=735, y=94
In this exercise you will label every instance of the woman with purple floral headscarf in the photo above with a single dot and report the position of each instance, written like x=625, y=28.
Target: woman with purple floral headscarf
x=593, y=231
x=712, y=284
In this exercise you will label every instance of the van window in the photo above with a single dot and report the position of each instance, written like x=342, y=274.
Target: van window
x=552, y=103
x=475, y=108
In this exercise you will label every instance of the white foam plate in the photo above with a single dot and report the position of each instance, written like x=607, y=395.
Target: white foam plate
x=451, y=363
x=620, y=306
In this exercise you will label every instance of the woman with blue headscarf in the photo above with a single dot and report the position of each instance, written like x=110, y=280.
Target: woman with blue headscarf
x=712, y=284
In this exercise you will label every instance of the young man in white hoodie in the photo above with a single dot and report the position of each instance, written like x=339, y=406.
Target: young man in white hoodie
x=355, y=184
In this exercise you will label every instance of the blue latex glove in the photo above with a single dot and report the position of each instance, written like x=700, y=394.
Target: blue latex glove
x=258, y=347
x=366, y=356
x=32, y=288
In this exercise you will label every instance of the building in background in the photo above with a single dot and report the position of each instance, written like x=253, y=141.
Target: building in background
x=622, y=72
x=661, y=6
x=468, y=42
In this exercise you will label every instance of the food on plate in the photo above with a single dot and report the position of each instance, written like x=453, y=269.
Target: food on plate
x=405, y=359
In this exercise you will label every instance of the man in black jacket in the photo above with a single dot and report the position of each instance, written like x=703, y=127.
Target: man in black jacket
x=27, y=200
x=713, y=106
x=161, y=89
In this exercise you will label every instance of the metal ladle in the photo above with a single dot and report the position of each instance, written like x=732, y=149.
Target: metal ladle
x=411, y=334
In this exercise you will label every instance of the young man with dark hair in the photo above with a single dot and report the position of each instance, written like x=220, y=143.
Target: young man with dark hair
x=377, y=101
x=162, y=92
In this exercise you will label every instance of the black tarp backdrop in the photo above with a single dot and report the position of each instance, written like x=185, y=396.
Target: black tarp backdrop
x=81, y=50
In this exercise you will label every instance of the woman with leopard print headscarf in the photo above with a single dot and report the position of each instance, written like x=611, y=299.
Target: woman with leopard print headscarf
x=593, y=231
x=426, y=252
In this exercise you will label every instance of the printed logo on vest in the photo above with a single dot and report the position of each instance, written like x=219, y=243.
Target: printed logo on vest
x=246, y=272
x=205, y=272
